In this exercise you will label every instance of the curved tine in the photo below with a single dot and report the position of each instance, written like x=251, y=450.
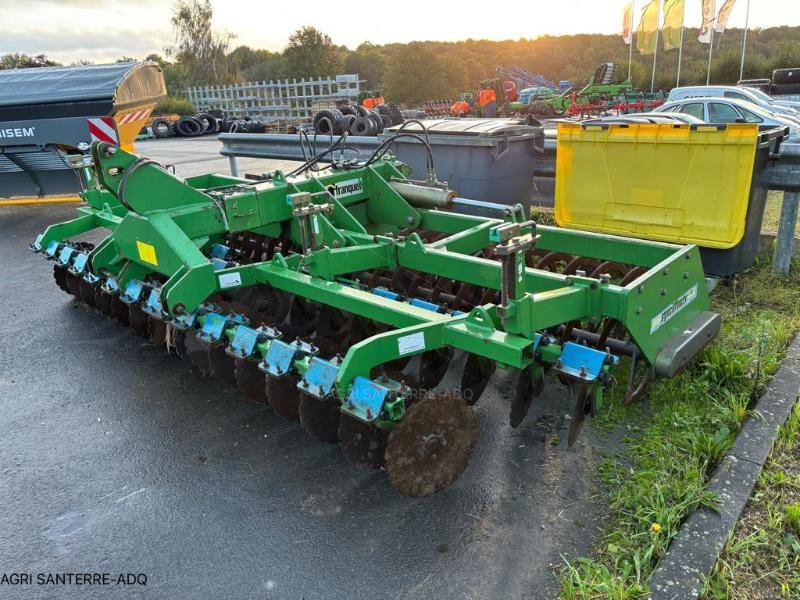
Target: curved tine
x=634, y=393
x=608, y=267
x=579, y=261
x=489, y=296
x=551, y=259
x=461, y=302
x=632, y=275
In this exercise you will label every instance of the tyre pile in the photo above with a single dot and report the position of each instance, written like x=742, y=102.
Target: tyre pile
x=205, y=124
x=357, y=120
x=786, y=82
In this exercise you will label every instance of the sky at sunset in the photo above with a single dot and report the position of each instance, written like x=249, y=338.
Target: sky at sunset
x=103, y=30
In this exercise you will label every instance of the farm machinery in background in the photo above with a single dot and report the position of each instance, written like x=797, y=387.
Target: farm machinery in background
x=543, y=98
x=602, y=95
x=339, y=297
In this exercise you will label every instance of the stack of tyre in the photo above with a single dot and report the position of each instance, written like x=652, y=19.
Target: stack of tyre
x=357, y=120
x=786, y=82
x=205, y=124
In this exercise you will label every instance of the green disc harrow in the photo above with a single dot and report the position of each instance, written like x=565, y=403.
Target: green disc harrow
x=312, y=293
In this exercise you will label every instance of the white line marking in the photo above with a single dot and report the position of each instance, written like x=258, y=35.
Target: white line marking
x=129, y=495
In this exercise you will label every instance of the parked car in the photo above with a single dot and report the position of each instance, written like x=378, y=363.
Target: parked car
x=732, y=92
x=776, y=101
x=649, y=117
x=722, y=110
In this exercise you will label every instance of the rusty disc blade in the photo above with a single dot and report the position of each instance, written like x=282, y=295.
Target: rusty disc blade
x=283, y=396
x=362, y=443
x=86, y=292
x=103, y=301
x=251, y=380
x=431, y=446
x=138, y=319
x=60, y=275
x=157, y=331
x=320, y=417
x=477, y=372
x=222, y=364
x=120, y=311
x=197, y=353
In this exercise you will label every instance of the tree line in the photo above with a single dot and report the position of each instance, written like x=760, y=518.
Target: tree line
x=411, y=73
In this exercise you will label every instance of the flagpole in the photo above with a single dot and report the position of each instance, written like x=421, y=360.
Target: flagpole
x=655, y=54
x=744, y=41
x=680, y=49
x=713, y=25
x=630, y=49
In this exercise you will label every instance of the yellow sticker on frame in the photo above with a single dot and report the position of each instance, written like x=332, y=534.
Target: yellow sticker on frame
x=147, y=252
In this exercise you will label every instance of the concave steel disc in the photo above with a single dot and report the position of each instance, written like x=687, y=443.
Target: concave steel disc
x=138, y=319
x=103, y=301
x=283, y=396
x=362, y=443
x=120, y=311
x=157, y=331
x=222, y=364
x=431, y=446
x=251, y=380
x=197, y=353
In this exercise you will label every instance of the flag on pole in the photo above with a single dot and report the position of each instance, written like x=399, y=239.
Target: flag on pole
x=627, y=22
x=673, y=23
x=648, y=26
x=707, y=22
x=724, y=15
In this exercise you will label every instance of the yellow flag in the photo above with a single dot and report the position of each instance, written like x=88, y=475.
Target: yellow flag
x=646, y=40
x=673, y=23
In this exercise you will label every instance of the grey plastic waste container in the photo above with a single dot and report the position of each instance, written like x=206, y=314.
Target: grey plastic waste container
x=482, y=159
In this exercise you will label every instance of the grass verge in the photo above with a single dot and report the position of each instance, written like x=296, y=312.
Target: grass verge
x=762, y=558
x=685, y=427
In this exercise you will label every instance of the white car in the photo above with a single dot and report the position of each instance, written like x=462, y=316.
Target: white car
x=721, y=110
x=775, y=101
x=666, y=118
x=732, y=92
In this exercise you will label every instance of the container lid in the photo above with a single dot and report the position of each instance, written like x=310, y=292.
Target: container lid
x=123, y=83
x=483, y=128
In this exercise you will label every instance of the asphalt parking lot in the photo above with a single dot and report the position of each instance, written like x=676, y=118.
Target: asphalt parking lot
x=116, y=457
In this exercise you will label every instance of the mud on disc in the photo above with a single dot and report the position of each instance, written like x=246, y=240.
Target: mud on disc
x=222, y=364
x=197, y=353
x=60, y=275
x=120, y=311
x=362, y=443
x=103, y=301
x=283, y=396
x=138, y=319
x=251, y=380
x=86, y=292
x=431, y=446
x=320, y=417
x=156, y=331
x=176, y=341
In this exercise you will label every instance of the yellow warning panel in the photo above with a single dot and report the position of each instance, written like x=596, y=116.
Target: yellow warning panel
x=682, y=184
x=147, y=253
x=130, y=122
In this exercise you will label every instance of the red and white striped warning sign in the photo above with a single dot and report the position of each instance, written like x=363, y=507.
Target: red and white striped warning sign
x=136, y=115
x=102, y=130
